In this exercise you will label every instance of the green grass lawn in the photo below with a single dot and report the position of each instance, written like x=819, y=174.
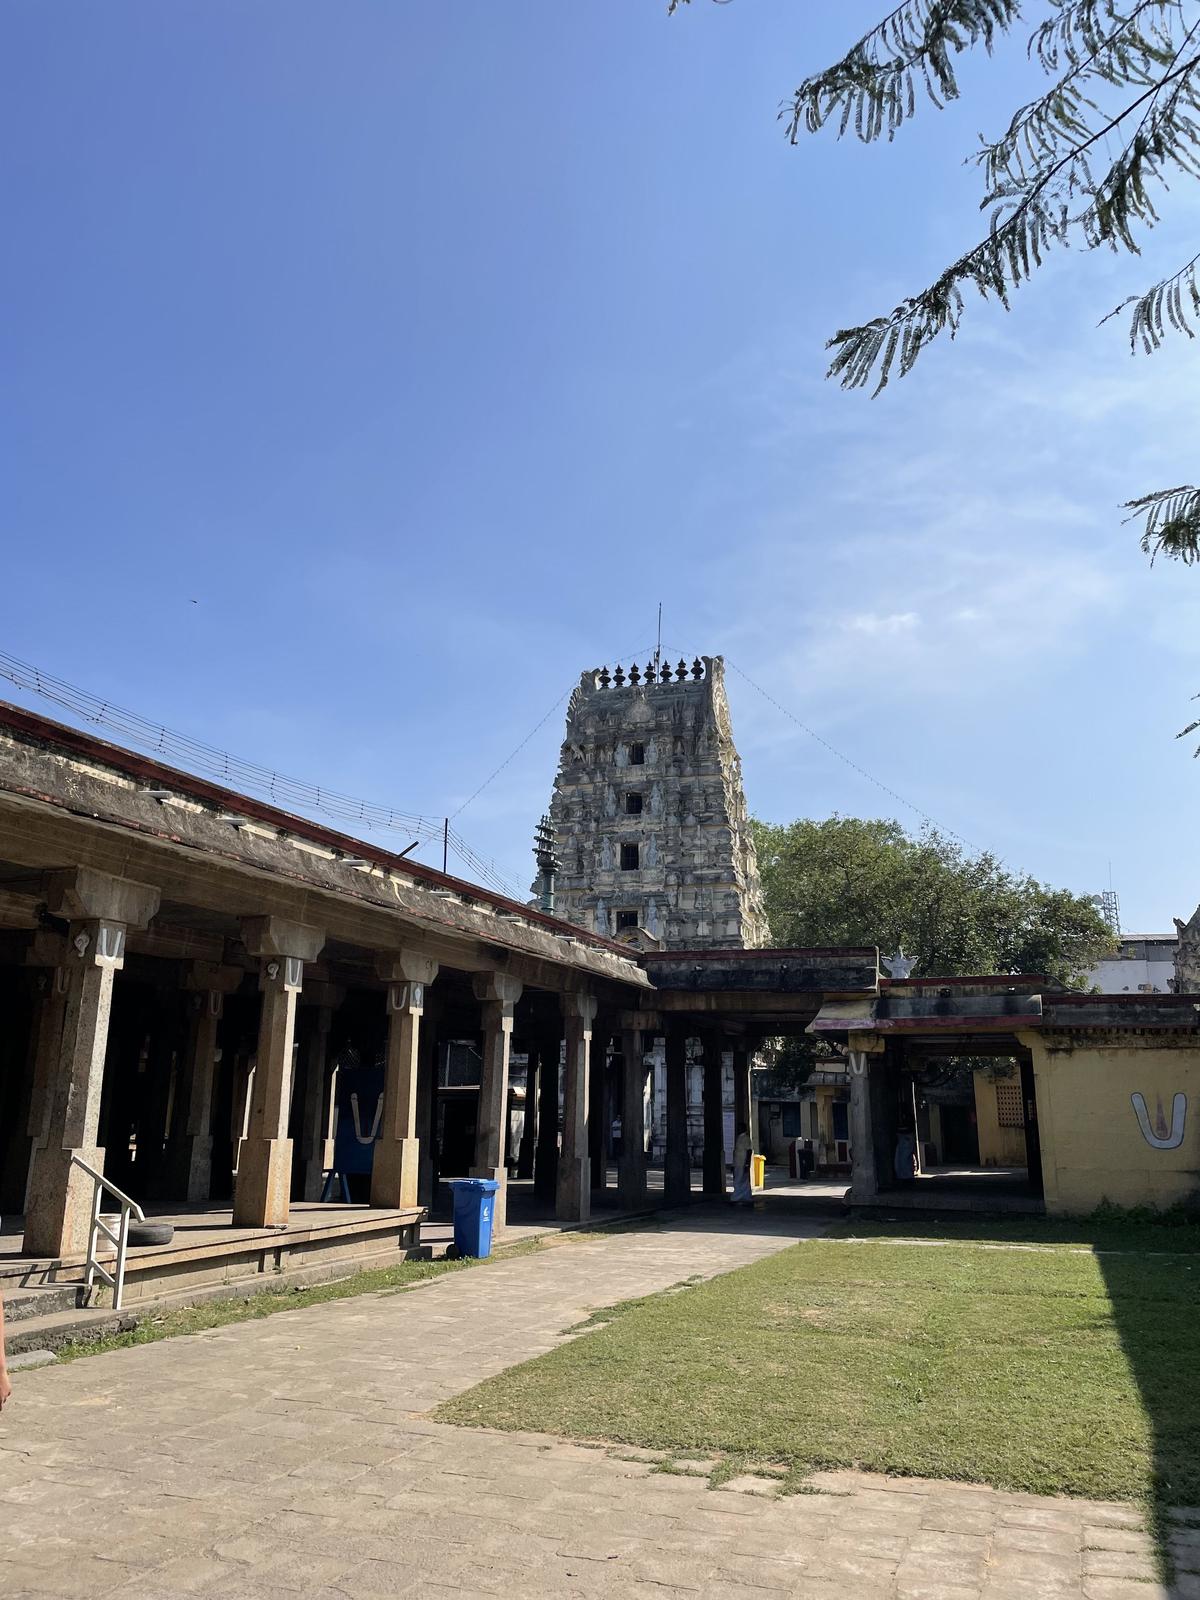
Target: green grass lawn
x=1056, y=1369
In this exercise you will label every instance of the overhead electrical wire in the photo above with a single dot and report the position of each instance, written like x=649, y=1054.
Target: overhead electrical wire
x=300, y=795
x=207, y=760
x=537, y=728
x=854, y=765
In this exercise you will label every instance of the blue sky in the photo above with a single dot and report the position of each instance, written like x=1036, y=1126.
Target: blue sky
x=427, y=346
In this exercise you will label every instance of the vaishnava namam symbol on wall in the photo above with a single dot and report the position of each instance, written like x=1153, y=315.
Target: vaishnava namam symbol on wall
x=1159, y=1136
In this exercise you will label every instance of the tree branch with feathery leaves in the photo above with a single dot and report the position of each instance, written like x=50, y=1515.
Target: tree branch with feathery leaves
x=1126, y=70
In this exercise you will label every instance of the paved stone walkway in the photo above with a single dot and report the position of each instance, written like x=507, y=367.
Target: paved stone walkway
x=292, y=1457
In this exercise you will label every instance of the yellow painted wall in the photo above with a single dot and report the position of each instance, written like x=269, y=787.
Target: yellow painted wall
x=1093, y=1148
x=998, y=1147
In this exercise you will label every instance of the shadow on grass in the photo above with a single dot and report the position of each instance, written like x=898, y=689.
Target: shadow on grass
x=1150, y=1266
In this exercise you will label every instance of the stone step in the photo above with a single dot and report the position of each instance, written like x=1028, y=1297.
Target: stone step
x=23, y=1360
x=55, y=1328
x=20, y=1304
x=32, y=1272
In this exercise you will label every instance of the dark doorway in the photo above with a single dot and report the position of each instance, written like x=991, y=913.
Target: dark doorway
x=968, y=1157
x=458, y=1119
x=960, y=1138
x=1033, y=1141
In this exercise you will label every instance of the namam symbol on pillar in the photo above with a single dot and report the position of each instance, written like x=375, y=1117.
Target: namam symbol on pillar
x=1159, y=1136
x=369, y=1136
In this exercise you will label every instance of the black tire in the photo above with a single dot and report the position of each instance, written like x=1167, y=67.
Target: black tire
x=142, y=1233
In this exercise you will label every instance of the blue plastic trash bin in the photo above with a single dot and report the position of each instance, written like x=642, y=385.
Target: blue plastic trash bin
x=474, y=1210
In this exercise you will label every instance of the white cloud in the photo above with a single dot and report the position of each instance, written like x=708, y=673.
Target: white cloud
x=872, y=622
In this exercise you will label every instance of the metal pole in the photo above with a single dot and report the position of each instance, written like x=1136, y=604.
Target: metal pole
x=446, y=845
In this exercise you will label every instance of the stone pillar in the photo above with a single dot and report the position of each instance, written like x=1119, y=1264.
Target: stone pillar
x=631, y=1167
x=545, y=1167
x=99, y=909
x=825, y=1141
x=190, y=1159
x=262, y=1192
x=48, y=951
x=395, y=1172
x=599, y=1111
x=320, y=1089
x=498, y=994
x=573, y=1201
x=678, y=1164
x=714, y=1122
x=864, y=1180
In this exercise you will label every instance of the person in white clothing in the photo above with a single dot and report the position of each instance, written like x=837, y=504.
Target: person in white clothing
x=743, y=1149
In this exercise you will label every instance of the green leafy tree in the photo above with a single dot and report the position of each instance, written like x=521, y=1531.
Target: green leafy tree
x=847, y=881
x=1085, y=163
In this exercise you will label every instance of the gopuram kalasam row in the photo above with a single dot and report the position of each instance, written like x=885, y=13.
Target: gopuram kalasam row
x=183, y=968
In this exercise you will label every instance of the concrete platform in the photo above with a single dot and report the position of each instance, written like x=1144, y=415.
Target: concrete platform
x=208, y=1249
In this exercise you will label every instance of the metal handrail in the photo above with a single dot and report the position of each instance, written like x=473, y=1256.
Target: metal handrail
x=120, y=1239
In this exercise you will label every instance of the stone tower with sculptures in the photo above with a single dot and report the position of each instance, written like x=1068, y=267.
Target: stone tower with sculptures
x=648, y=820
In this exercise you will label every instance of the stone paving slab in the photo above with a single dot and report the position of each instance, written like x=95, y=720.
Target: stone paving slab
x=294, y=1457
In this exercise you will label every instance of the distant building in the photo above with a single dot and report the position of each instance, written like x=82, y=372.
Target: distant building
x=651, y=840
x=648, y=815
x=1144, y=964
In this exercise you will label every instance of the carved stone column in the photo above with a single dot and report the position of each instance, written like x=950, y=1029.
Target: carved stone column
x=320, y=1002
x=677, y=1174
x=865, y=1064
x=395, y=1174
x=100, y=909
x=190, y=1162
x=714, y=1118
x=47, y=951
x=573, y=1202
x=262, y=1192
x=498, y=994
